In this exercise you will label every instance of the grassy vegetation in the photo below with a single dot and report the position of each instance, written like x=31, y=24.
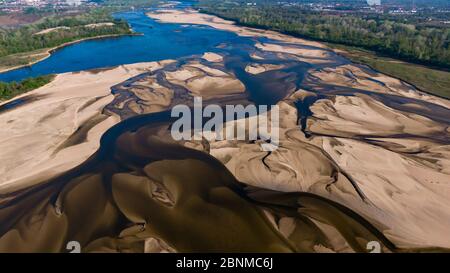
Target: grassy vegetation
x=12, y=89
x=70, y=28
x=430, y=80
x=23, y=46
x=30, y=43
x=20, y=59
x=365, y=39
x=406, y=40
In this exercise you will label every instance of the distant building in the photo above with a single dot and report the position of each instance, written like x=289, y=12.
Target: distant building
x=374, y=2
x=32, y=2
x=73, y=2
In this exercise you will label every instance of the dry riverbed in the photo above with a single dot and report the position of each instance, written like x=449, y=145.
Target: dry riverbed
x=348, y=134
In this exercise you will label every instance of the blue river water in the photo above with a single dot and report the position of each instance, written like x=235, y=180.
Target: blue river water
x=158, y=41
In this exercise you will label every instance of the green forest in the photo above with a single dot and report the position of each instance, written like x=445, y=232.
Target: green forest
x=11, y=89
x=407, y=41
x=20, y=46
x=26, y=39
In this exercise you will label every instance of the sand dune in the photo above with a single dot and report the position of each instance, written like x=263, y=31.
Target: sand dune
x=367, y=141
x=48, y=30
x=315, y=55
x=261, y=68
x=357, y=77
x=189, y=16
x=362, y=115
x=204, y=81
x=212, y=57
x=66, y=106
x=405, y=195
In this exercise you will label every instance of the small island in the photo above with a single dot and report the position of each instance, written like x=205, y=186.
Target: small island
x=32, y=43
x=25, y=45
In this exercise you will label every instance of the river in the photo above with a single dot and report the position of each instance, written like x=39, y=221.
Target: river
x=141, y=185
x=157, y=42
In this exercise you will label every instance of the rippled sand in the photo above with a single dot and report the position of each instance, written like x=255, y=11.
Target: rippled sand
x=396, y=153
x=362, y=157
x=61, y=128
x=189, y=16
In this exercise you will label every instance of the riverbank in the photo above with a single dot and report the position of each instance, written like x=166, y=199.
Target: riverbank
x=9, y=90
x=428, y=79
x=345, y=132
x=193, y=17
x=49, y=51
x=64, y=121
x=377, y=131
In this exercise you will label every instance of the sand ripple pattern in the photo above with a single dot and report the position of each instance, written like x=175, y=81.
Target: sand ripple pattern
x=362, y=157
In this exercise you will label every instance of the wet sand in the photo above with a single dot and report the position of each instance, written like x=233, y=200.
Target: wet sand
x=405, y=130
x=362, y=157
x=65, y=107
x=189, y=16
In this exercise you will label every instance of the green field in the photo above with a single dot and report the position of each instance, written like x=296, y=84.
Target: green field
x=427, y=79
x=12, y=89
x=20, y=59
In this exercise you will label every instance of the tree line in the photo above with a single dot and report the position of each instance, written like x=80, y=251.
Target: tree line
x=11, y=89
x=26, y=39
x=417, y=43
